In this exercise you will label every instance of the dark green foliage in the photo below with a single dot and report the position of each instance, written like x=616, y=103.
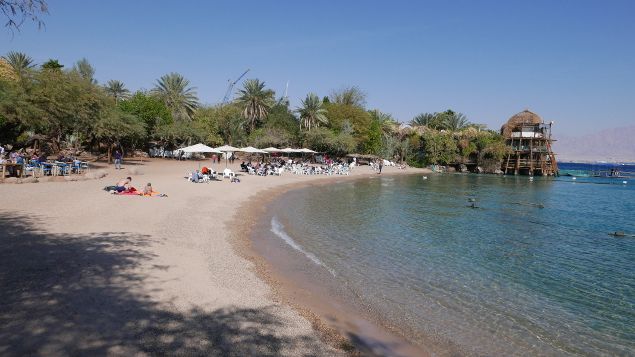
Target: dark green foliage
x=276, y=137
x=52, y=64
x=325, y=140
x=358, y=119
x=439, y=148
x=373, y=144
x=149, y=109
x=281, y=118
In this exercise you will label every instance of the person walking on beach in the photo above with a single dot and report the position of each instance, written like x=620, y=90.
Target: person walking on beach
x=381, y=165
x=214, y=159
x=118, y=158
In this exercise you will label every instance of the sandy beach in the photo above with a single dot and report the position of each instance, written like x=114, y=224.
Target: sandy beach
x=84, y=272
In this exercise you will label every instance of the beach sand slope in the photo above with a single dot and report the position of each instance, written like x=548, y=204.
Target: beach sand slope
x=84, y=272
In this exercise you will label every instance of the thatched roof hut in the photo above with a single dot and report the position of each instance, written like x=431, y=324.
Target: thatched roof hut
x=524, y=117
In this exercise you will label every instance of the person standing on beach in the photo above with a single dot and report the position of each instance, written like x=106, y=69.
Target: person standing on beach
x=381, y=165
x=118, y=158
x=214, y=159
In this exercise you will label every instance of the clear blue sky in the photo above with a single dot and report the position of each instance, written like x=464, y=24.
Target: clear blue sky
x=569, y=61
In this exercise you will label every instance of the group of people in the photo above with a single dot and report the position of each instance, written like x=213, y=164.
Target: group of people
x=262, y=168
x=19, y=157
x=124, y=187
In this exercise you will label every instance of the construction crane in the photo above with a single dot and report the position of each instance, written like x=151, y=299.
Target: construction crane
x=231, y=86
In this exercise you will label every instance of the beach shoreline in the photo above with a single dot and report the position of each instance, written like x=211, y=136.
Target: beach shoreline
x=90, y=272
x=343, y=332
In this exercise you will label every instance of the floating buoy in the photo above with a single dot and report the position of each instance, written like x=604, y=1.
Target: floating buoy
x=531, y=178
x=573, y=178
x=625, y=182
x=425, y=177
x=471, y=199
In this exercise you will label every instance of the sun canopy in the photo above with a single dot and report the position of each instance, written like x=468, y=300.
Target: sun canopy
x=271, y=149
x=199, y=148
x=253, y=150
x=227, y=148
x=308, y=151
x=289, y=150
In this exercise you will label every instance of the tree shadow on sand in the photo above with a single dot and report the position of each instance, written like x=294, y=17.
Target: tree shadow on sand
x=66, y=294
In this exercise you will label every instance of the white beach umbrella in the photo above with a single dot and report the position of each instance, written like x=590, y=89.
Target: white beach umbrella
x=253, y=150
x=200, y=148
x=289, y=150
x=308, y=151
x=271, y=149
x=227, y=149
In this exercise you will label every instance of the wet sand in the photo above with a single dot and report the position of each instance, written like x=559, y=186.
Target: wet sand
x=85, y=272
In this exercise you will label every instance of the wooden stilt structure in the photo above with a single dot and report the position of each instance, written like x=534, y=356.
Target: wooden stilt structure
x=530, y=141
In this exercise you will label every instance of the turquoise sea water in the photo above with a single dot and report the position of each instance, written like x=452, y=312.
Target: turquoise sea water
x=533, y=271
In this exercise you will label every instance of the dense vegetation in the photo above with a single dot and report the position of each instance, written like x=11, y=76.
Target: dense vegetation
x=53, y=107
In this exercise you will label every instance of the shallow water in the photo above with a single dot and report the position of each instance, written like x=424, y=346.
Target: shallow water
x=507, y=278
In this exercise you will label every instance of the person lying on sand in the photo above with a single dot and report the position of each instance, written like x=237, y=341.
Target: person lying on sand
x=123, y=184
x=148, y=191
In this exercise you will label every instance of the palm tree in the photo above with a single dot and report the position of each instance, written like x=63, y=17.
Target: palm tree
x=256, y=101
x=311, y=112
x=423, y=119
x=455, y=121
x=20, y=62
x=175, y=91
x=349, y=96
x=117, y=90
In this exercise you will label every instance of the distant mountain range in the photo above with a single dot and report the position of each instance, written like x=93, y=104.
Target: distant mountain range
x=612, y=145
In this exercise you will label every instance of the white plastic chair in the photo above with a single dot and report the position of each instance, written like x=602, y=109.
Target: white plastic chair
x=228, y=173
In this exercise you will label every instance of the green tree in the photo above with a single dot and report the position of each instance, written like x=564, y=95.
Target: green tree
x=325, y=140
x=265, y=137
x=18, y=113
x=357, y=117
x=425, y=119
x=349, y=96
x=373, y=144
x=319, y=139
x=454, y=121
x=115, y=126
x=312, y=114
x=256, y=101
x=152, y=111
x=52, y=64
x=230, y=123
x=447, y=120
x=21, y=63
x=439, y=148
x=280, y=118
x=85, y=70
x=207, y=117
x=117, y=90
x=175, y=91
x=179, y=133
